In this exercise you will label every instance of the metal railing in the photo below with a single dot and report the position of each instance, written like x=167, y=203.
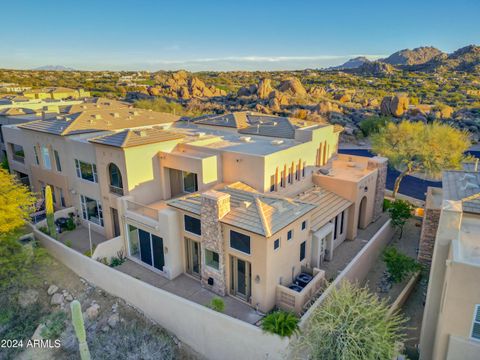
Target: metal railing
x=116, y=190
x=142, y=209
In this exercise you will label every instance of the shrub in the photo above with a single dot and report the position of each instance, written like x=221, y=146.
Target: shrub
x=281, y=322
x=400, y=211
x=70, y=224
x=217, y=304
x=115, y=261
x=54, y=325
x=373, y=124
x=68, y=243
x=399, y=265
x=386, y=204
x=44, y=230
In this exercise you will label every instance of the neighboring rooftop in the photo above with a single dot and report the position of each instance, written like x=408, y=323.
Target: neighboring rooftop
x=249, y=210
x=96, y=103
x=257, y=124
x=463, y=185
x=100, y=119
x=138, y=137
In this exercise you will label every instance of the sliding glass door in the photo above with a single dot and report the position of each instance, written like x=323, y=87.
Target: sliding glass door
x=146, y=247
x=192, y=250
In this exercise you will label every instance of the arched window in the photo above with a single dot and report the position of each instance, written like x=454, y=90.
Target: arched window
x=116, y=184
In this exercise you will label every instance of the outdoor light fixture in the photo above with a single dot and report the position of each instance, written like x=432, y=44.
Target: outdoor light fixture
x=257, y=279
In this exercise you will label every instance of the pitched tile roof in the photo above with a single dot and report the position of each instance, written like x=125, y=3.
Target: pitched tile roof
x=137, y=137
x=463, y=185
x=250, y=210
x=100, y=120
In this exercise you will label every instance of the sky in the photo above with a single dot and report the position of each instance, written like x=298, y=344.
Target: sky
x=225, y=35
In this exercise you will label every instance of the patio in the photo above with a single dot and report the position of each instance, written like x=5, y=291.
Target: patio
x=78, y=239
x=190, y=289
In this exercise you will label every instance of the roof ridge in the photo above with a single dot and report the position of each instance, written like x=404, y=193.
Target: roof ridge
x=265, y=225
x=127, y=136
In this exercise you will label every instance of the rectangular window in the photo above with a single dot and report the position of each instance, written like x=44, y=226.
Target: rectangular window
x=289, y=234
x=302, y=250
x=290, y=177
x=47, y=164
x=86, y=171
x=276, y=244
x=272, y=183
x=212, y=259
x=92, y=210
x=304, y=224
x=192, y=225
x=57, y=160
x=17, y=153
x=303, y=168
x=335, y=228
x=35, y=151
x=282, y=178
x=189, y=182
x=297, y=172
x=476, y=323
x=240, y=242
x=62, y=198
x=342, y=220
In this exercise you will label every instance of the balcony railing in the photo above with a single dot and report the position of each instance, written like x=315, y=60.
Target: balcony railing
x=116, y=190
x=142, y=209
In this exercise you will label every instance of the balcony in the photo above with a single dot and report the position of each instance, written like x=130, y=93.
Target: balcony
x=297, y=298
x=140, y=209
x=116, y=190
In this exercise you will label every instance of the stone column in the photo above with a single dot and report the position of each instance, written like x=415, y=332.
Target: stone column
x=381, y=164
x=431, y=217
x=215, y=205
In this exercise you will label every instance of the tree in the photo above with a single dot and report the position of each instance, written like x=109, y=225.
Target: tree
x=52, y=230
x=418, y=147
x=352, y=323
x=400, y=211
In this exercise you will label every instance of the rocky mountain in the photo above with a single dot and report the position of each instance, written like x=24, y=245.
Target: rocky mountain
x=417, y=56
x=54, y=68
x=465, y=59
x=352, y=63
x=374, y=68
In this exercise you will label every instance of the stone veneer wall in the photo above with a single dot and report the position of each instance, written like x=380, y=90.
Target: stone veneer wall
x=431, y=218
x=381, y=164
x=215, y=205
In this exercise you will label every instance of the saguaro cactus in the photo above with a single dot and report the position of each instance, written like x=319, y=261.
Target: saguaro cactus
x=77, y=321
x=52, y=230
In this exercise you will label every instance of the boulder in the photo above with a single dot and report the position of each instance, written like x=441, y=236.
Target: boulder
x=57, y=299
x=180, y=76
x=326, y=107
x=317, y=91
x=294, y=86
x=184, y=93
x=92, y=311
x=394, y=105
x=52, y=289
x=253, y=89
x=343, y=98
x=274, y=104
x=243, y=91
x=264, y=88
x=28, y=297
x=113, y=320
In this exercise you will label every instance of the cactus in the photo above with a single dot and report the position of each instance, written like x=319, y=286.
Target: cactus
x=49, y=210
x=77, y=321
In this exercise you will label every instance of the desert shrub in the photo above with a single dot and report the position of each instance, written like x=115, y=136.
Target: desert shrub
x=373, y=124
x=70, y=224
x=217, y=304
x=54, y=325
x=115, y=261
x=281, y=322
x=399, y=265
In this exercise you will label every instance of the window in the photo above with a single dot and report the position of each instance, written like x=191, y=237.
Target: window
x=116, y=184
x=476, y=323
x=57, y=160
x=297, y=172
x=86, y=171
x=62, y=198
x=240, y=242
x=47, y=164
x=335, y=228
x=133, y=241
x=192, y=225
x=289, y=234
x=303, y=168
x=17, y=153
x=302, y=250
x=189, y=182
x=342, y=220
x=92, y=210
x=290, y=177
x=37, y=161
x=276, y=244
x=282, y=178
x=212, y=259
x=272, y=183
x=304, y=224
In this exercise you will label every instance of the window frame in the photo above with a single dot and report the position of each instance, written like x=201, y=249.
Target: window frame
x=476, y=313
x=240, y=251
x=289, y=234
x=185, y=225
x=83, y=203
x=45, y=151
x=303, y=250
x=217, y=268
x=275, y=247
x=304, y=225
x=78, y=170
x=58, y=164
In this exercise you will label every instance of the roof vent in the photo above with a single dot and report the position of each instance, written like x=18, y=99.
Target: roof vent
x=246, y=139
x=279, y=206
x=274, y=123
x=141, y=133
x=200, y=134
x=277, y=142
x=116, y=115
x=58, y=117
x=134, y=113
x=97, y=116
x=245, y=204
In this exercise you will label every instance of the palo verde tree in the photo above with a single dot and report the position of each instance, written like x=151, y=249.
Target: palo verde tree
x=416, y=147
x=352, y=323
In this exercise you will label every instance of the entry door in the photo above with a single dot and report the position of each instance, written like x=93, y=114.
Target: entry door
x=145, y=247
x=241, y=279
x=193, y=257
x=116, y=224
x=157, y=251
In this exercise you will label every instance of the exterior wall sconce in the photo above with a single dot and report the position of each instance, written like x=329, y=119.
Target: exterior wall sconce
x=257, y=279
x=366, y=189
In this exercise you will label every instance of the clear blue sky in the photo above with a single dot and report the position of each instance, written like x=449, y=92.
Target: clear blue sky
x=225, y=35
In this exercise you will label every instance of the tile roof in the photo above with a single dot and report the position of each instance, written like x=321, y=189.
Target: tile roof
x=328, y=205
x=96, y=103
x=250, y=210
x=256, y=124
x=459, y=185
x=137, y=137
x=100, y=120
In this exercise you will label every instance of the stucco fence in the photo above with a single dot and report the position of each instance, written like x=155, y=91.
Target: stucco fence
x=212, y=334
x=358, y=268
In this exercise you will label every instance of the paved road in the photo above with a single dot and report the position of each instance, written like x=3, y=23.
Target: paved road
x=410, y=185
